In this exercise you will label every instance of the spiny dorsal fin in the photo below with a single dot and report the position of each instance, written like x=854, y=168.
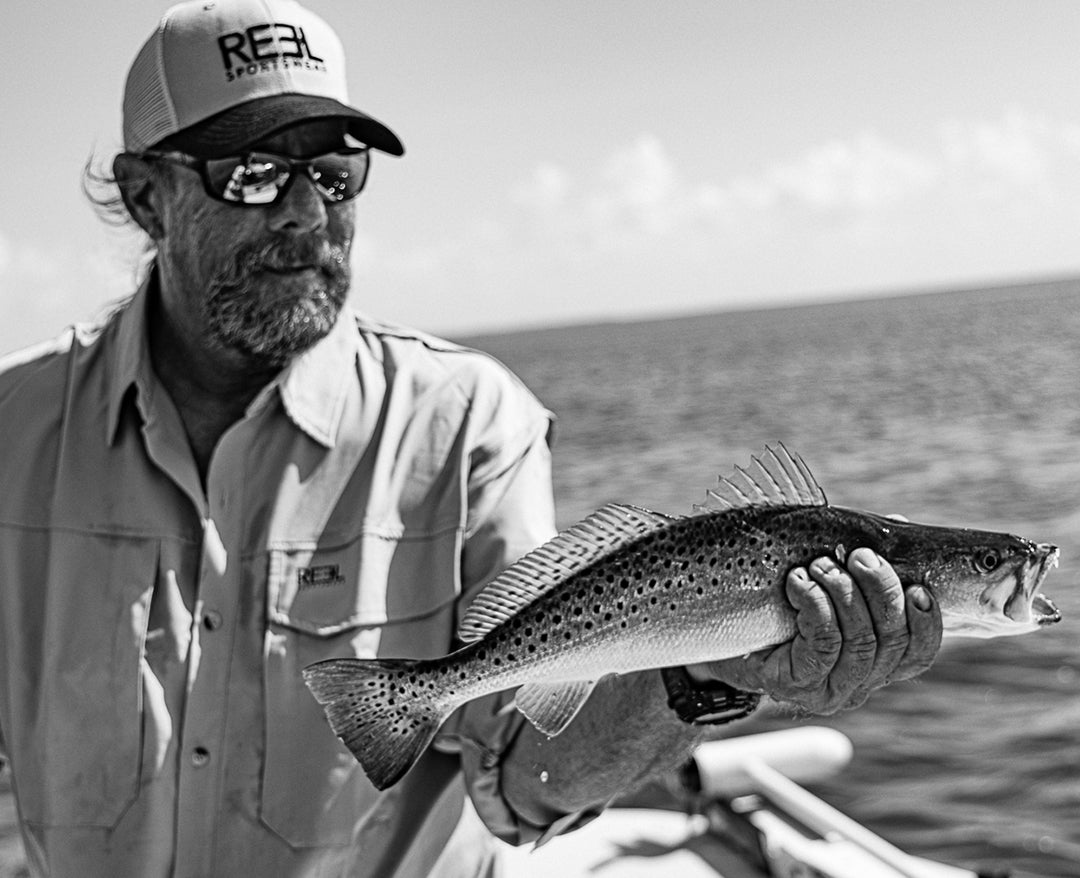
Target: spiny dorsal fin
x=777, y=478
x=609, y=528
x=551, y=706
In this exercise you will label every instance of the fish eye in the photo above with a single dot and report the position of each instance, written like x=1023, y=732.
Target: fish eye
x=987, y=560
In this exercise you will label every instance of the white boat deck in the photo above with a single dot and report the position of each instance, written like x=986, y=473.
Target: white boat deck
x=632, y=843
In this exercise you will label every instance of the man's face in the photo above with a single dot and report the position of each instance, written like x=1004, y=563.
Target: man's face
x=266, y=282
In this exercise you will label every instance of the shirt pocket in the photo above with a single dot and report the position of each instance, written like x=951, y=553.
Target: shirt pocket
x=379, y=594
x=83, y=742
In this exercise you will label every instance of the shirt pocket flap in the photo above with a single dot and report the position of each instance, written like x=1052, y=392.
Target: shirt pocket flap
x=378, y=578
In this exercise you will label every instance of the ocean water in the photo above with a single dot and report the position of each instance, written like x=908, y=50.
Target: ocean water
x=955, y=408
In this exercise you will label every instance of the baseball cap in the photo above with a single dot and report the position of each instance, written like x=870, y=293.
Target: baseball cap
x=219, y=75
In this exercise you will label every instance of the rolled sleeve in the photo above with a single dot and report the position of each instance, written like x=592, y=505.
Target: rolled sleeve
x=481, y=733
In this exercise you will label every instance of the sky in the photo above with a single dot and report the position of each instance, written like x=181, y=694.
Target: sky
x=582, y=160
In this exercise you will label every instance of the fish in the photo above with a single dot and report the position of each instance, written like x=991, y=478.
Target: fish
x=628, y=589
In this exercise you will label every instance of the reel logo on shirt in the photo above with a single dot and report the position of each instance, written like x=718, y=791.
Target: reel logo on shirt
x=263, y=48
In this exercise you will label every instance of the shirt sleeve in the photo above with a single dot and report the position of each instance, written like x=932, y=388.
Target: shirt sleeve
x=511, y=512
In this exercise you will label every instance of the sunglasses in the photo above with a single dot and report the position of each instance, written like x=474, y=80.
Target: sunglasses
x=262, y=178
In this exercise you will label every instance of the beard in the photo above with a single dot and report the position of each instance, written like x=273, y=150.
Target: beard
x=270, y=323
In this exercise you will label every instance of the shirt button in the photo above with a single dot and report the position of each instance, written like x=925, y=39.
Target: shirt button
x=212, y=620
x=200, y=757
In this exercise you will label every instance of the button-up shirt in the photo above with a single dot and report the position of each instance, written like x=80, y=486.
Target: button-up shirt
x=154, y=630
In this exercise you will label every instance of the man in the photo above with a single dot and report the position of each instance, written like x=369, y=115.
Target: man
x=233, y=477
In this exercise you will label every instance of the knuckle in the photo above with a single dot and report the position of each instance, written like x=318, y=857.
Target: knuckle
x=862, y=644
x=826, y=642
x=893, y=642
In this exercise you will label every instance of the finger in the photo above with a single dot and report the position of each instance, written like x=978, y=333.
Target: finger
x=924, y=625
x=859, y=648
x=884, y=596
x=814, y=653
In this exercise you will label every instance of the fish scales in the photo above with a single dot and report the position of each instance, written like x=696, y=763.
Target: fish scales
x=629, y=590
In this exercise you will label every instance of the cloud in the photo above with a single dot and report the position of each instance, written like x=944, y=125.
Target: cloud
x=865, y=173
x=976, y=199
x=639, y=190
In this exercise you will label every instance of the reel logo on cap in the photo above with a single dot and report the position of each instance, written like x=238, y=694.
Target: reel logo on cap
x=266, y=48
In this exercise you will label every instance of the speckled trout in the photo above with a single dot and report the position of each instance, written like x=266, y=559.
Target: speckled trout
x=628, y=589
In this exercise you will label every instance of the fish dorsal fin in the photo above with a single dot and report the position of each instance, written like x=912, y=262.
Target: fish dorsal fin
x=551, y=706
x=777, y=478
x=609, y=528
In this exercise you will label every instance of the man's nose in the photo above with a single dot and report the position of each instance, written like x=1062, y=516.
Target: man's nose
x=302, y=208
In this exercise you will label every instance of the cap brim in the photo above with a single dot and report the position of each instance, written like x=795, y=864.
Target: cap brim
x=241, y=126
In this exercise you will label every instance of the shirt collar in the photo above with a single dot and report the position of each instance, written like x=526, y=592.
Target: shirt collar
x=313, y=387
x=130, y=363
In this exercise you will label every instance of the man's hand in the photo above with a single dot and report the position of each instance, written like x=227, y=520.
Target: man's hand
x=858, y=630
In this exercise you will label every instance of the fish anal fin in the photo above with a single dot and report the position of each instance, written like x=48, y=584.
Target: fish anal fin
x=778, y=477
x=551, y=706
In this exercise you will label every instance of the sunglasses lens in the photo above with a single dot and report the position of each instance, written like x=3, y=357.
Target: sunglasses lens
x=258, y=177
x=340, y=176
x=251, y=179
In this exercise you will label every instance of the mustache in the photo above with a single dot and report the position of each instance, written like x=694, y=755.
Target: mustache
x=281, y=252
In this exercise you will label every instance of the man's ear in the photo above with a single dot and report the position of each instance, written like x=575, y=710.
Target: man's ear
x=137, y=183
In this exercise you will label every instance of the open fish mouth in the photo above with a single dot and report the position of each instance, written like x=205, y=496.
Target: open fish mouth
x=1029, y=605
x=1043, y=610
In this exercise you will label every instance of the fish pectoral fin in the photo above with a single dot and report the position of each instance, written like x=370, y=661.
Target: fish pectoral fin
x=551, y=706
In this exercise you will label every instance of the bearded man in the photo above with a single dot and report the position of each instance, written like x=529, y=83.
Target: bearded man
x=234, y=476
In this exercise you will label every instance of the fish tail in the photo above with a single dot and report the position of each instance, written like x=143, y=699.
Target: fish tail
x=382, y=709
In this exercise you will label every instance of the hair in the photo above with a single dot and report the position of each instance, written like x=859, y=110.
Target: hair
x=103, y=191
